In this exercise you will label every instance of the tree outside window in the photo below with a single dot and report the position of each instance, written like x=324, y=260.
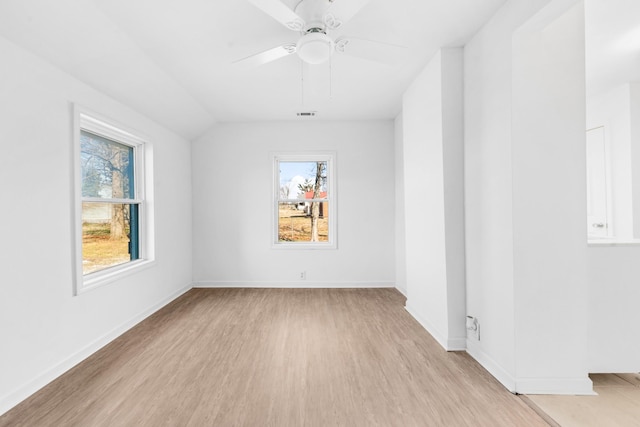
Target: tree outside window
x=109, y=205
x=304, y=197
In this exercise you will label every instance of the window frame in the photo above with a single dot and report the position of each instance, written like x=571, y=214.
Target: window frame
x=86, y=120
x=332, y=196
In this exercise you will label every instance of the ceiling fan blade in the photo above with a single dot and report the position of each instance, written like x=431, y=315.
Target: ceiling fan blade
x=267, y=56
x=342, y=11
x=368, y=49
x=280, y=12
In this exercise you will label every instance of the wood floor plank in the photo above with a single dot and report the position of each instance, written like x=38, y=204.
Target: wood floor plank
x=617, y=403
x=276, y=357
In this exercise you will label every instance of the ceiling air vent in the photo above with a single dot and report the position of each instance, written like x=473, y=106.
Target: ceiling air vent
x=306, y=114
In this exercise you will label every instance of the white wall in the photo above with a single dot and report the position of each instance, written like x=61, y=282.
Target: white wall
x=433, y=190
x=612, y=110
x=525, y=197
x=635, y=155
x=614, y=342
x=453, y=161
x=44, y=329
x=488, y=188
x=400, y=229
x=232, y=191
x=613, y=270
x=549, y=209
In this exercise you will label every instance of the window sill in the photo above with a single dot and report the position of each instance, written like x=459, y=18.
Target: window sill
x=98, y=279
x=304, y=246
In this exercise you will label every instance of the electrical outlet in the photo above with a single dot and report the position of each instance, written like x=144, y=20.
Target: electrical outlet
x=303, y=275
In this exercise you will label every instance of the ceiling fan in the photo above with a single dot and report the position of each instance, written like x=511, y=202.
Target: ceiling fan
x=314, y=20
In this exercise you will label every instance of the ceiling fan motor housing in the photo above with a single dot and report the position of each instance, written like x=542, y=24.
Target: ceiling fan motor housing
x=313, y=13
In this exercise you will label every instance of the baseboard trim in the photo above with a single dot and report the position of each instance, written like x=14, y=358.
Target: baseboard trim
x=403, y=291
x=298, y=284
x=506, y=379
x=457, y=344
x=14, y=398
x=449, y=344
x=557, y=386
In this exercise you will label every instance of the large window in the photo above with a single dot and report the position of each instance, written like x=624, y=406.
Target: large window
x=111, y=203
x=304, y=201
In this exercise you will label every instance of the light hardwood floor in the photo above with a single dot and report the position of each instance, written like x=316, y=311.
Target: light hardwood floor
x=276, y=357
x=616, y=405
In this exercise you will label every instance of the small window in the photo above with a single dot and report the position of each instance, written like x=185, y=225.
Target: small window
x=111, y=201
x=304, y=201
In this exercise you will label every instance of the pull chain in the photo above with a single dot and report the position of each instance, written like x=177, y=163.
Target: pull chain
x=302, y=82
x=331, y=76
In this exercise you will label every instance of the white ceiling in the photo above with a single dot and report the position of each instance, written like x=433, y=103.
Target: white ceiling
x=173, y=60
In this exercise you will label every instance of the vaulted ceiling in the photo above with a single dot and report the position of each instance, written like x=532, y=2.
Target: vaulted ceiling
x=174, y=60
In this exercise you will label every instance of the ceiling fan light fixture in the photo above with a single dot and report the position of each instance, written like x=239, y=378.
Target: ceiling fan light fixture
x=314, y=47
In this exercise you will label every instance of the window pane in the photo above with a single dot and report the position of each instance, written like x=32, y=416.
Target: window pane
x=109, y=235
x=303, y=180
x=303, y=222
x=107, y=168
